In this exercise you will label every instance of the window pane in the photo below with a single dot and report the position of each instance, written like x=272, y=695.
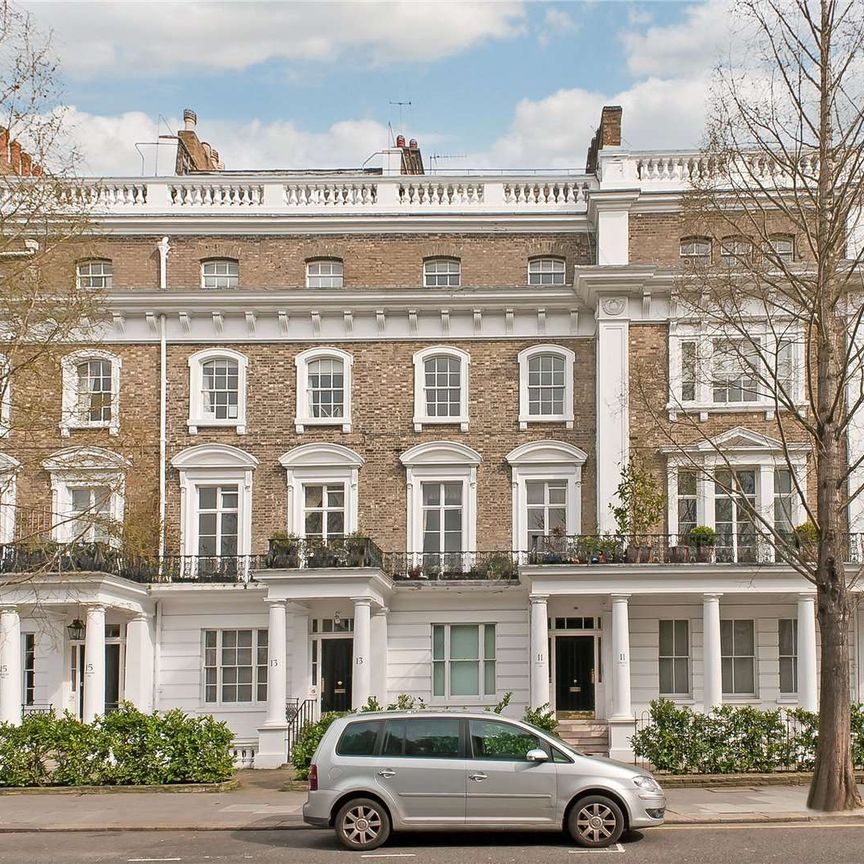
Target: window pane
x=438, y=642
x=492, y=739
x=464, y=642
x=788, y=675
x=666, y=675
x=436, y=738
x=438, y=679
x=394, y=738
x=489, y=647
x=744, y=638
x=359, y=739
x=667, y=638
x=744, y=682
x=464, y=678
x=787, y=639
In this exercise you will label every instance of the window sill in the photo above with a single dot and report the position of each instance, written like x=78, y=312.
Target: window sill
x=66, y=428
x=234, y=707
x=678, y=700
x=300, y=423
x=730, y=699
x=524, y=422
x=420, y=422
x=704, y=410
x=790, y=699
x=194, y=424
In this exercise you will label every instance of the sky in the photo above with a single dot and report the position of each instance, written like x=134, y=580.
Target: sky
x=314, y=84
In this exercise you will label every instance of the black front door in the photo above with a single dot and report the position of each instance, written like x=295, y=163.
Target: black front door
x=574, y=673
x=336, y=655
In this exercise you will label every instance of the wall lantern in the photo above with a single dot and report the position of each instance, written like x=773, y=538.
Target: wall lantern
x=76, y=630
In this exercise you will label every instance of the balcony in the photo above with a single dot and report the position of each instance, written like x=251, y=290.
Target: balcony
x=452, y=566
x=288, y=553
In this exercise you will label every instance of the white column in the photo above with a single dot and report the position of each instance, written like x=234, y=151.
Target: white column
x=807, y=690
x=621, y=706
x=613, y=389
x=10, y=666
x=379, y=656
x=277, y=682
x=300, y=666
x=94, y=664
x=138, y=679
x=711, y=655
x=362, y=674
x=539, y=650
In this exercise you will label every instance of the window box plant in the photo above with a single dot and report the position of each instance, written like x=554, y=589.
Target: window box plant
x=701, y=539
x=284, y=551
x=640, y=507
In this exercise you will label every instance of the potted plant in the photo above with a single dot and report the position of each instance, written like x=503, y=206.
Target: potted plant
x=358, y=550
x=500, y=565
x=284, y=551
x=640, y=507
x=702, y=539
x=806, y=539
x=554, y=546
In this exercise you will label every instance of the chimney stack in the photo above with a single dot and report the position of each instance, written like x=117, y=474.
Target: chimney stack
x=608, y=134
x=190, y=120
x=192, y=153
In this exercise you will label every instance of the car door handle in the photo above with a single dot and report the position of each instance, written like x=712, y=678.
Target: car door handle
x=387, y=772
x=478, y=777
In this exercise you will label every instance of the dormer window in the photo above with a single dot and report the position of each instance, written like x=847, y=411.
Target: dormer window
x=696, y=250
x=546, y=271
x=442, y=273
x=220, y=273
x=96, y=273
x=325, y=273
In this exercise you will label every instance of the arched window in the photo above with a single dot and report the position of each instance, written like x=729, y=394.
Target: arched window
x=442, y=273
x=218, y=273
x=94, y=273
x=696, y=249
x=547, y=271
x=323, y=388
x=546, y=385
x=217, y=389
x=324, y=273
x=780, y=248
x=441, y=387
x=735, y=251
x=91, y=391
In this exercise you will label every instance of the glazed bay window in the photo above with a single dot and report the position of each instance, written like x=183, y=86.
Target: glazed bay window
x=788, y=636
x=96, y=274
x=220, y=273
x=235, y=666
x=326, y=273
x=674, y=658
x=463, y=661
x=324, y=511
x=547, y=510
x=738, y=657
x=547, y=271
x=733, y=371
x=442, y=273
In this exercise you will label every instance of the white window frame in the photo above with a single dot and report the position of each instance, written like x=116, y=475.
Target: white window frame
x=218, y=276
x=5, y=396
x=788, y=694
x=538, y=262
x=693, y=256
x=256, y=667
x=703, y=338
x=320, y=464
x=685, y=695
x=524, y=358
x=310, y=276
x=84, y=466
x=436, y=259
x=70, y=418
x=421, y=416
x=214, y=465
x=545, y=460
x=738, y=448
x=303, y=411
x=107, y=278
x=772, y=256
x=735, y=695
x=197, y=417
x=9, y=467
x=447, y=697
x=440, y=462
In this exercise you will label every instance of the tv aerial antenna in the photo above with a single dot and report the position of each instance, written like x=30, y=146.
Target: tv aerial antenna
x=402, y=107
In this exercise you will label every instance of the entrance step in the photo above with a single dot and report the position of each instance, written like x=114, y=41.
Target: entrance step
x=588, y=736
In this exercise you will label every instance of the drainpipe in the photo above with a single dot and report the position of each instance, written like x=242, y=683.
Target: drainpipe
x=164, y=248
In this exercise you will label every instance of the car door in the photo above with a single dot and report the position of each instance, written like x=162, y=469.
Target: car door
x=503, y=786
x=422, y=767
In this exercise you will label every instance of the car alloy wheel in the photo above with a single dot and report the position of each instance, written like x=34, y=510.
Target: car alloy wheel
x=362, y=824
x=596, y=822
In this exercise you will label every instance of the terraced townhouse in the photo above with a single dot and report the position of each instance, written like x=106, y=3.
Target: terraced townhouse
x=382, y=415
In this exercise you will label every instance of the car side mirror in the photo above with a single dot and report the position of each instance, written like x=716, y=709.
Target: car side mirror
x=537, y=755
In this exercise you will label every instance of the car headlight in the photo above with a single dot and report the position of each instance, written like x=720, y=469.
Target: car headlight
x=647, y=783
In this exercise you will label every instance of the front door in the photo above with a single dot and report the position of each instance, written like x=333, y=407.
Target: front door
x=336, y=655
x=574, y=673
x=113, y=665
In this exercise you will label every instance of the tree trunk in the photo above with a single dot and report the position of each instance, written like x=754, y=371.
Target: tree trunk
x=833, y=786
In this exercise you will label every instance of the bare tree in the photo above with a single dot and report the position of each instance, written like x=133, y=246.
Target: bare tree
x=773, y=279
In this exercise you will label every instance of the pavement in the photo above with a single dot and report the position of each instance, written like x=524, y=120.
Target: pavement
x=260, y=803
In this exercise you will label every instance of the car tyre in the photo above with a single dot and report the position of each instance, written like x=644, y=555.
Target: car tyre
x=595, y=822
x=362, y=824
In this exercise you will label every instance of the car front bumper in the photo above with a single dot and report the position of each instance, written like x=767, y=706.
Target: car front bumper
x=647, y=809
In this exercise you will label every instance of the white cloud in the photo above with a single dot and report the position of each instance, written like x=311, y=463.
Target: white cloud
x=124, y=38
x=556, y=23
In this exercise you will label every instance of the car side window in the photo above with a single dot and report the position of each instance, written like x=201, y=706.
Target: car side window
x=360, y=739
x=394, y=738
x=558, y=756
x=492, y=739
x=433, y=738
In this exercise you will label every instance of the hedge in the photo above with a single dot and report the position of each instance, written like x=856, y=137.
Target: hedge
x=123, y=748
x=733, y=740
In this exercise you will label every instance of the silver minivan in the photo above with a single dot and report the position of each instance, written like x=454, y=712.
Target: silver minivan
x=395, y=771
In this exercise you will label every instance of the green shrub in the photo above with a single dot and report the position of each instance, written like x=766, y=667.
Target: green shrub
x=734, y=739
x=307, y=742
x=543, y=718
x=125, y=747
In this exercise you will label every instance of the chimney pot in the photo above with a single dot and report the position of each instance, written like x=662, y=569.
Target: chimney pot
x=412, y=144
x=190, y=120
x=400, y=140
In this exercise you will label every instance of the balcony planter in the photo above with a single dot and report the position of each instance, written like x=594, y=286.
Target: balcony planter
x=806, y=539
x=91, y=557
x=702, y=539
x=283, y=552
x=357, y=550
x=679, y=554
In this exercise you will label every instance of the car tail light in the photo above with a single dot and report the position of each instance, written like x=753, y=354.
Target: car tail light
x=313, y=778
